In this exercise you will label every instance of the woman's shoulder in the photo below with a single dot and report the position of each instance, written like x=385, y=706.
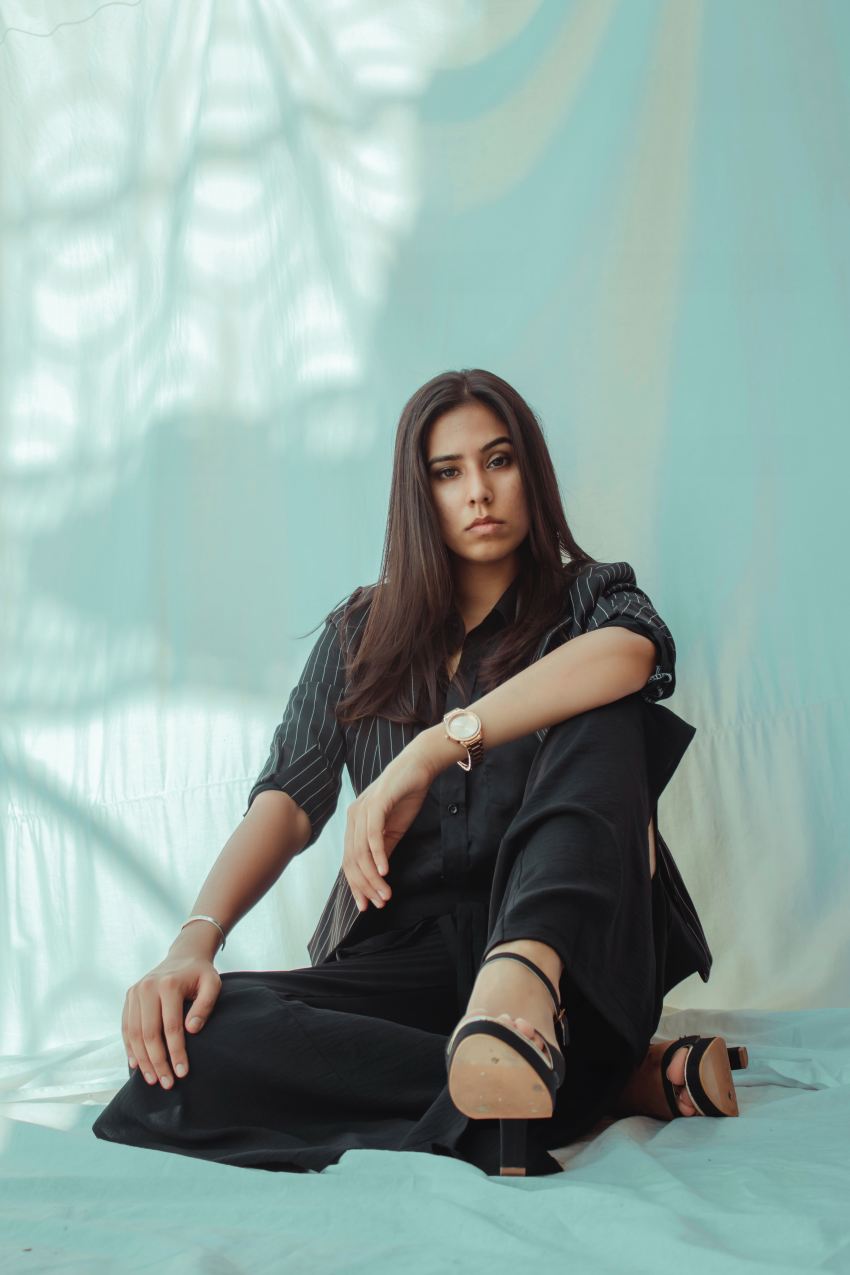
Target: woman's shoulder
x=589, y=587
x=606, y=572
x=589, y=578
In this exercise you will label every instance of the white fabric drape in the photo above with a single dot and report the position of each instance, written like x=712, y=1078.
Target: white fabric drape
x=235, y=238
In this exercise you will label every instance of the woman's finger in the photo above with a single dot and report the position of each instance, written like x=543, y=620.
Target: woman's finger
x=375, y=820
x=365, y=881
x=134, y=1035
x=367, y=889
x=171, y=1004
x=151, y=1012
x=359, y=897
x=128, y=1049
x=360, y=887
x=375, y=884
x=206, y=996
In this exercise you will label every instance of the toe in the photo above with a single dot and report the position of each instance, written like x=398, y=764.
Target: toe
x=535, y=1036
x=676, y=1076
x=676, y=1069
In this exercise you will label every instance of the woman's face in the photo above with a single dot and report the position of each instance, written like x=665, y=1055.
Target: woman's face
x=473, y=474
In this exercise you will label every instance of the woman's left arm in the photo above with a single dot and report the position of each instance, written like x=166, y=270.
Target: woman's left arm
x=589, y=670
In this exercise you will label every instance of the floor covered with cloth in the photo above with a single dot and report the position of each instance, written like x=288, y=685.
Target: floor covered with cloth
x=766, y=1190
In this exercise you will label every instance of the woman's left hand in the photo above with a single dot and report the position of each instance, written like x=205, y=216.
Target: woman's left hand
x=379, y=818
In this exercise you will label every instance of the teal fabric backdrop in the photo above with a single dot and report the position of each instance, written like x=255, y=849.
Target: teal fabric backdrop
x=235, y=237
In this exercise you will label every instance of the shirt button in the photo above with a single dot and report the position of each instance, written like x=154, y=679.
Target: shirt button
x=453, y=809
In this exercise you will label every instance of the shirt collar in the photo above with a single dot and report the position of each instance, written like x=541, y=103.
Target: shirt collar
x=506, y=607
x=503, y=612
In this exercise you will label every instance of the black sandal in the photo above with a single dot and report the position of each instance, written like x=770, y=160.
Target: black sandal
x=709, y=1064
x=513, y=1092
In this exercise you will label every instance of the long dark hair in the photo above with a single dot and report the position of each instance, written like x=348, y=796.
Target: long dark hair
x=397, y=665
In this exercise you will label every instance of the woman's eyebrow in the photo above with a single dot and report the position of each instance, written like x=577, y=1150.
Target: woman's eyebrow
x=503, y=438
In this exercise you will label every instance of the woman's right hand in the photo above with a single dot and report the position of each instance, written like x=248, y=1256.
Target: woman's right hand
x=154, y=1006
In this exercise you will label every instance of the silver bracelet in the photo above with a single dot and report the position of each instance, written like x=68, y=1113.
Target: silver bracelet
x=197, y=917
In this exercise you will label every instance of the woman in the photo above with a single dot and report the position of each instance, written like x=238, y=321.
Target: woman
x=495, y=707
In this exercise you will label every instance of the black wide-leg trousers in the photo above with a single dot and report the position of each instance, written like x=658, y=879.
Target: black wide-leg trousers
x=294, y=1067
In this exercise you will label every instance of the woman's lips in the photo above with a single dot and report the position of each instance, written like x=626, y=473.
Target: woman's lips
x=482, y=527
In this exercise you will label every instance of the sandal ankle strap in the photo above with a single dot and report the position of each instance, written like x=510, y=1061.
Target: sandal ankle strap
x=560, y=1015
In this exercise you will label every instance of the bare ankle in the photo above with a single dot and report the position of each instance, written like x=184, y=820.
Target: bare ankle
x=541, y=953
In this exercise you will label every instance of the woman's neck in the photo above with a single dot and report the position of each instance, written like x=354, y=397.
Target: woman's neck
x=477, y=592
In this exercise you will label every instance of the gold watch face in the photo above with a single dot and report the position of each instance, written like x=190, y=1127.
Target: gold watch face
x=464, y=726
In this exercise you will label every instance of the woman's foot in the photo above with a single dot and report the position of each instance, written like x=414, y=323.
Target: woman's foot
x=676, y=1076
x=510, y=991
x=643, y=1094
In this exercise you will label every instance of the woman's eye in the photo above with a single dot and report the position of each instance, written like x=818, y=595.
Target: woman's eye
x=452, y=470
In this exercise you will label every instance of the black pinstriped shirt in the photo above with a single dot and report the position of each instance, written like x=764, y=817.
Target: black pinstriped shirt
x=451, y=843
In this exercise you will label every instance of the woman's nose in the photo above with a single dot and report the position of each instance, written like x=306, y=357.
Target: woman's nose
x=479, y=489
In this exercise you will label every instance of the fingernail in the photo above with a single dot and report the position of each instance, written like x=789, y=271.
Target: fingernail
x=149, y=1078
x=180, y=1069
x=165, y=1081
x=194, y=1022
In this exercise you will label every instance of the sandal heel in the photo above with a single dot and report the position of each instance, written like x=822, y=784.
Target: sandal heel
x=523, y=1087
x=738, y=1057
x=708, y=1074
x=512, y=1139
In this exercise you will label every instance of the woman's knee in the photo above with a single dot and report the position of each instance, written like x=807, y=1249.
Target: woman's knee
x=625, y=712
x=607, y=740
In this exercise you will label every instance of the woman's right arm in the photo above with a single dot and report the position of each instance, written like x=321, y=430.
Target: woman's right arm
x=292, y=799
x=272, y=832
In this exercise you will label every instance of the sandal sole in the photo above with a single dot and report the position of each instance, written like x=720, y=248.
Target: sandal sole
x=489, y=1078
x=714, y=1073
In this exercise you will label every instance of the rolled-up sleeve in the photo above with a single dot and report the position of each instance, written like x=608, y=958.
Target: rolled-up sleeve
x=307, y=751
x=611, y=595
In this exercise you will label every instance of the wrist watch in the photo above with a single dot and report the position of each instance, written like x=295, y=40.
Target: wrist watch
x=464, y=727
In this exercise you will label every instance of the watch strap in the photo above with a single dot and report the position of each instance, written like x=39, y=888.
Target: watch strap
x=474, y=746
